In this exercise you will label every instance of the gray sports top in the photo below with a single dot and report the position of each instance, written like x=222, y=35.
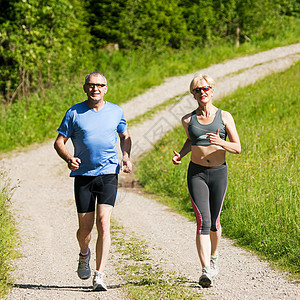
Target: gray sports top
x=198, y=132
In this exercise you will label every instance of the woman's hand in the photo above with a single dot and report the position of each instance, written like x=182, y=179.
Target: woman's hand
x=176, y=158
x=214, y=138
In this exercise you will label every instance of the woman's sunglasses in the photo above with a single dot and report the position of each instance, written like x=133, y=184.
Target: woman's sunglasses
x=204, y=89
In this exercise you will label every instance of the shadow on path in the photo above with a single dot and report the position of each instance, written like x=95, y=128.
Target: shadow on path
x=71, y=288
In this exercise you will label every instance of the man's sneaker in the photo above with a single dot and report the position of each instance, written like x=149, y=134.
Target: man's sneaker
x=98, y=284
x=205, y=279
x=83, y=270
x=214, y=269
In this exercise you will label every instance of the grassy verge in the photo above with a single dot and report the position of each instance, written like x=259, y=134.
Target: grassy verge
x=261, y=210
x=8, y=236
x=35, y=119
x=144, y=279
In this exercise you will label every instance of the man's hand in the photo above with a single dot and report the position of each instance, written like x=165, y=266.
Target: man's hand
x=73, y=163
x=126, y=166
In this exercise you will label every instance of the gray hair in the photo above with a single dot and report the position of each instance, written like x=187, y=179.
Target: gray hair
x=95, y=73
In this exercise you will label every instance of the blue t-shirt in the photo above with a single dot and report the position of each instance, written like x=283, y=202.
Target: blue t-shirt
x=94, y=136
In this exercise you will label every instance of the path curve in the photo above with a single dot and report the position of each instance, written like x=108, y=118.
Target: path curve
x=47, y=221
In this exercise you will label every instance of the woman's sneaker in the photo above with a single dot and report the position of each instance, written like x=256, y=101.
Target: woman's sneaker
x=205, y=279
x=98, y=284
x=214, y=268
x=83, y=270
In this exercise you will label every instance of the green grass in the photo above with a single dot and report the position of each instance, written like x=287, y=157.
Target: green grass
x=8, y=236
x=261, y=210
x=36, y=118
x=144, y=278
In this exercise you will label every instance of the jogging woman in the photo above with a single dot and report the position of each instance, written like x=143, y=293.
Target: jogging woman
x=207, y=128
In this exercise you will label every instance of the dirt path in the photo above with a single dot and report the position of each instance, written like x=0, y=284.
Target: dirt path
x=47, y=219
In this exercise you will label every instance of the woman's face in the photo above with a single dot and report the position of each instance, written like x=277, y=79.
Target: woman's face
x=203, y=92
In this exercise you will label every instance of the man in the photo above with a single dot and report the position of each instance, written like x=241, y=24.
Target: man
x=92, y=126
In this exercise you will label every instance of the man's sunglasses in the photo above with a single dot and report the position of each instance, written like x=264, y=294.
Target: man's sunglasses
x=95, y=85
x=204, y=89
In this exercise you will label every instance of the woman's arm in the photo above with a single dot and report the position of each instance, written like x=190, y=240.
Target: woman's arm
x=234, y=145
x=187, y=147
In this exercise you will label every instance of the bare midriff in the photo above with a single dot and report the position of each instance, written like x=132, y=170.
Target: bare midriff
x=208, y=156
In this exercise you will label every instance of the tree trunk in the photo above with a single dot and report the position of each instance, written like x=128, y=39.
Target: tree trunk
x=237, y=35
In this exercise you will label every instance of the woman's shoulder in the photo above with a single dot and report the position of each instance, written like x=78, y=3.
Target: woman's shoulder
x=226, y=116
x=186, y=119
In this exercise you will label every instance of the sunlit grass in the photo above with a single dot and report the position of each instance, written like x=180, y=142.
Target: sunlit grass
x=143, y=277
x=8, y=236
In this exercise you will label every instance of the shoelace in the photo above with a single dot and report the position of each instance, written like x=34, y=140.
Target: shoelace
x=213, y=262
x=83, y=262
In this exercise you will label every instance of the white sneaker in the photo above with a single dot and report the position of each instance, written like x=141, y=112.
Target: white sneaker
x=205, y=280
x=83, y=270
x=98, y=284
x=214, y=268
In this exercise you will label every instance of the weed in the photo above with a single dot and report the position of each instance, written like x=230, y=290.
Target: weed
x=143, y=278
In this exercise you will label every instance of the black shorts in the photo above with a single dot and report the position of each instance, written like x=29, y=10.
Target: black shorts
x=89, y=188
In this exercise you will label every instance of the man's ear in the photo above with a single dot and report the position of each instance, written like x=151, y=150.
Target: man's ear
x=105, y=91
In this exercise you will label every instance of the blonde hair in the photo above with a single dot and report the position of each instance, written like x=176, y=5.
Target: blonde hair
x=199, y=77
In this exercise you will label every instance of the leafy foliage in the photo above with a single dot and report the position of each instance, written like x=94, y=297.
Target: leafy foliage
x=44, y=42
x=133, y=23
x=40, y=41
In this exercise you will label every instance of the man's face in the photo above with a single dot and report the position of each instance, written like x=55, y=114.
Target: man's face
x=95, y=88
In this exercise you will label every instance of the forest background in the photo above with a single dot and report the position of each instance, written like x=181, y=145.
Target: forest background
x=47, y=47
x=48, y=43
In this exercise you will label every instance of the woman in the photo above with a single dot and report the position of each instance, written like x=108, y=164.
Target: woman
x=207, y=128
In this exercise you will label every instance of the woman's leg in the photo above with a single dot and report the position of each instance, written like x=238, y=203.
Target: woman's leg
x=199, y=194
x=215, y=237
x=218, y=180
x=204, y=248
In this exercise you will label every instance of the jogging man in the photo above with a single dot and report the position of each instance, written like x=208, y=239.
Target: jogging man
x=92, y=126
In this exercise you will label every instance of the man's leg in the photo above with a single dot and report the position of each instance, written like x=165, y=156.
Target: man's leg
x=104, y=212
x=86, y=223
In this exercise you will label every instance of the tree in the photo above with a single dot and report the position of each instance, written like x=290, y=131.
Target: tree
x=137, y=23
x=40, y=40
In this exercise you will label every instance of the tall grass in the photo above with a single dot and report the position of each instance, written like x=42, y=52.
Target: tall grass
x=8, y=236
x=261, y=209
x=35, y=119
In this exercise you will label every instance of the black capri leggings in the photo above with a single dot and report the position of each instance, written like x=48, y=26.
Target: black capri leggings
x=207, y=188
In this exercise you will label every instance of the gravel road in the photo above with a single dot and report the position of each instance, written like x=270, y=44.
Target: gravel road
x=46, y=217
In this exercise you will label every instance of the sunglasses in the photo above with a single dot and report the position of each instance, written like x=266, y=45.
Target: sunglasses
x=204, y=89
x=95, y=85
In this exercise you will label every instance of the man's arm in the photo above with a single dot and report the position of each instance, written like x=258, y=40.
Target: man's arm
x=125, y=143
x=62, y=151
